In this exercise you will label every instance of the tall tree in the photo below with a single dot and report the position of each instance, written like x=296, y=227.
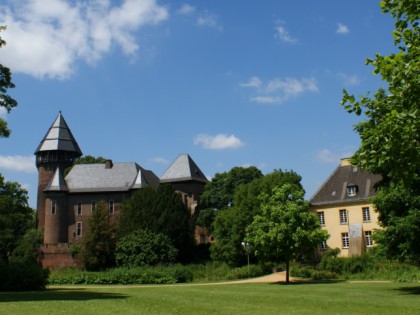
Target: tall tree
x=99, y=243
x=6, y=101
x=230, y=224
x=391, y=133
x=285, y=226
x=16, y=217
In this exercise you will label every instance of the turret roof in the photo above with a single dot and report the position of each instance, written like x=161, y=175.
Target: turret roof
x=59, y=137
x=183, y=169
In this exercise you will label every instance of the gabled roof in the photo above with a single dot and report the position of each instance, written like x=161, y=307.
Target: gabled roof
x=59, y=137
x=99, y=178
x=183, y=169
x=57, y=182
x=334, y=189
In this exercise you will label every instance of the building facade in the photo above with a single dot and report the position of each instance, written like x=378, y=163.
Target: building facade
x=343, y=209
x=65, y=203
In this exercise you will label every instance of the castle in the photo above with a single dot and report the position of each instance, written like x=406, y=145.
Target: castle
x=65, y=204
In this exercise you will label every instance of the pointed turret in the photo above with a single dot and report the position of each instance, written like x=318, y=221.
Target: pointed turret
x=57, y=151
x=183, y=169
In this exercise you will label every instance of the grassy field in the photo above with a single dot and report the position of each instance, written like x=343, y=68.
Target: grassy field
x=316, y=298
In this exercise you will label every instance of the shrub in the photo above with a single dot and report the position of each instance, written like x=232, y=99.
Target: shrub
x=143, y=247
x=23, y=277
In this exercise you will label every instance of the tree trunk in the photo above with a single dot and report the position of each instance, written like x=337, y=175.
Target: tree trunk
x=287, y=271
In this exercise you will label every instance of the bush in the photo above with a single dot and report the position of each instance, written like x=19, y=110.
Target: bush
x=23, y=277
x=144, y=248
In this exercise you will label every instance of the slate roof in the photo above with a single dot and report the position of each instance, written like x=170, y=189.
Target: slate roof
x=57, y=182
x=59, y=137
x=183, y=169
x=334, y=189
x=98, y=178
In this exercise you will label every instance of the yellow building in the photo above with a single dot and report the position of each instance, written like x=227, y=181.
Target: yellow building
x=343, y=208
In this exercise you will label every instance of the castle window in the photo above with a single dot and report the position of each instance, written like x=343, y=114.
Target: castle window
x=368, y=238
x=321, y=218
x=111, y=206
x=78, y=229
x=343, y=216
x=345, y=240
x=351, y=190
x=324, y=245
x=366, y=214
x=93, y=205
x=79, y=208
x=53, y=206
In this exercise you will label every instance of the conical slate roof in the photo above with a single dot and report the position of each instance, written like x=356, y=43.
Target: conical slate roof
x=59, y=137
x=57, y=182
x=182, y=169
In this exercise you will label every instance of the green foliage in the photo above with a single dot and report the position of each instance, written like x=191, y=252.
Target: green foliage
x=159, y=210
x=285, y=226
x=26, y=251
x=6, y=101
x=98, y=245
x=143, y=247
x=230, y=224
x=23, y=277
x=16, y=217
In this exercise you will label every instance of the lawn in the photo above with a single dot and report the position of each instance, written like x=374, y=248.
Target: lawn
x=316, y=298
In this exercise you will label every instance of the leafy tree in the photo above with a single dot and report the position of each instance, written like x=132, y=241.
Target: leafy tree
x=391, y=132
x=6, y=83
x=143, y=247
x=230, y=224
x=285, y=226
x=159, y=210
x=99, y=244
x=16, y=217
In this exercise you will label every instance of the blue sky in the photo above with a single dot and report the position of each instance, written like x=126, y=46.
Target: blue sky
x=232, y=83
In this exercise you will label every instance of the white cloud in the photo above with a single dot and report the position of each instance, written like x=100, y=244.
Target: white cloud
x=209, y=20
x=218, y=142
x=159, y=160
x=253, y=82
x=342, y=29
x=349, y=80
x=325, y=156
x=283, y=34
x=279, y=90
x=186, y=9
x=18, y=163
x=46, y=37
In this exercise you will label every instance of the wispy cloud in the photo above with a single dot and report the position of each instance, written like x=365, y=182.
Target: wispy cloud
x=210, y=20
x=186, y=9
x=18, y=163
x=218, y=142
x=159, y=160
x=279, y=90
x=349, y=79
x=49, y=37
x=325, y=156
x=281, y=33
x=342, y=29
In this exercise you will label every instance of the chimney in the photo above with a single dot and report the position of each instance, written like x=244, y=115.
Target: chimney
x=108, y=164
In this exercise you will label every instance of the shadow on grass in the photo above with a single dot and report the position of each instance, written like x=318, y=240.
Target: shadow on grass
x=300, y=282
x=409, y=290
x=58, y=295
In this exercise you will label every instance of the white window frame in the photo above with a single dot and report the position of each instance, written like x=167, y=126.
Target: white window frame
x=343, y=216
x=53, y=207
x=79, y=229
x=345, y=241
x=79, y=208
x=368, y=238
x=351, y=190
x=366, y=214
x=323, y=245
x=321, y=218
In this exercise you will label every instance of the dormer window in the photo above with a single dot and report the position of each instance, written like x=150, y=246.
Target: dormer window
x=351, y=190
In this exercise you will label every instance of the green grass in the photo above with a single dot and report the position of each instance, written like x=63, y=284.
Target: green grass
x=316, y=298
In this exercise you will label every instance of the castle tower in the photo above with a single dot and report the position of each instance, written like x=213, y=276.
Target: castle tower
x=57, y=151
